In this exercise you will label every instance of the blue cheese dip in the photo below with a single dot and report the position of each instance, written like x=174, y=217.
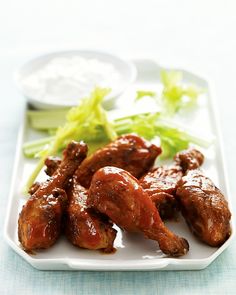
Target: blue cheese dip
x=68, y=79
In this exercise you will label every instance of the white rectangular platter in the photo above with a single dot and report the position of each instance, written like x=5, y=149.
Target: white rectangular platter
x=134, y=252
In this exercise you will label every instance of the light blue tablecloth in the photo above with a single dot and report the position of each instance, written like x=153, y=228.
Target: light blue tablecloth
x=18, y=277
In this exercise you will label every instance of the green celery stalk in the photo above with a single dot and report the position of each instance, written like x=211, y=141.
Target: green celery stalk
x=45, y=120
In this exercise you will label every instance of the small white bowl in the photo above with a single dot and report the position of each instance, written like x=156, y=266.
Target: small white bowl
x=126, y=70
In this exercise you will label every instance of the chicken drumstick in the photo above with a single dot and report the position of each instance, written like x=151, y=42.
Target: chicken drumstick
x=129, y=152
x=204, y=208
x=117, y=194
x=84, y=227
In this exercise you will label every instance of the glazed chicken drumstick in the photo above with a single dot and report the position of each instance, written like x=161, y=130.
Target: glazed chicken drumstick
x=117, y=194
x=161, y=183
x=129, y=152
x=39, y=222
x=84, y=227
x=202, y=204
x=204, y=208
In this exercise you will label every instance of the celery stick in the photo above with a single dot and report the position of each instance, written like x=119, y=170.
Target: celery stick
x=34, y=174
x=44, y=120
x=38, y=142
x=32, y=148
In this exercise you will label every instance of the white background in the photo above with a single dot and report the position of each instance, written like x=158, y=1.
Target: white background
x=199, y=35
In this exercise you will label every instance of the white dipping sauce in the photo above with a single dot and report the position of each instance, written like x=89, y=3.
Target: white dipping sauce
x=69, y=79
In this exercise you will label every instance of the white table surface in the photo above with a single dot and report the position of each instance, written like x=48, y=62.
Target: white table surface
x=198, y=35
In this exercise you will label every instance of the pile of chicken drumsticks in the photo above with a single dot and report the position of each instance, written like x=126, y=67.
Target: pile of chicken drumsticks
x=85, y=196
